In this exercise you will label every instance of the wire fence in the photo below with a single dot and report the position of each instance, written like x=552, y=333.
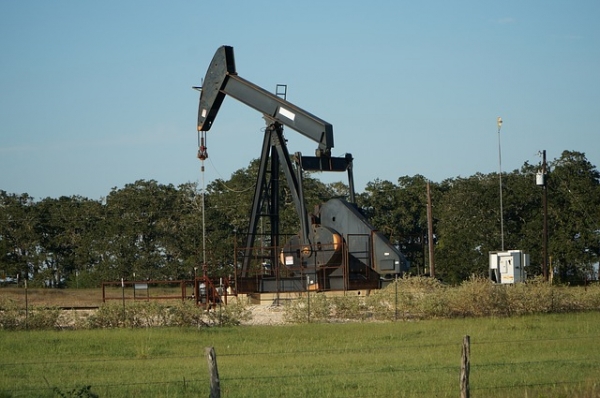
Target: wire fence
x=294, y=371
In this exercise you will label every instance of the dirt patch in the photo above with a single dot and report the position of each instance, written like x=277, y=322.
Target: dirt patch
x=265, y=315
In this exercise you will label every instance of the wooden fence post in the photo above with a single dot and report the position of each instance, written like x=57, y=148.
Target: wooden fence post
x=465, y=367
x=215, y=384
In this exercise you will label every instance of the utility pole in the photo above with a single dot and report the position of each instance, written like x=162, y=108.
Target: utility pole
x=500, y=177
x=542, y=181
x=545, y=206
x=430, y=233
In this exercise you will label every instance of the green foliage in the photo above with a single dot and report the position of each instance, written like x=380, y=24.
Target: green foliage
x=10, y=315
x=232, y=314
x=425, y=298
x=296, y=311
x=469, y=227
x=155, y=230
x=77, y=392
x=14, y=317
x=187, y=314
x=349, y=308
x=477, y=297
x=113, y=316
x=43, y=318
x=84, y=279
x=574, y=215
x=412, y=298
x=399, y=211
x=154, y=314
x=316, y=307
x=108, y=316
x=469, y=220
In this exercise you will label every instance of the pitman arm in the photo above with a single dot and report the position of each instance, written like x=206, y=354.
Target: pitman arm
x=221, y=79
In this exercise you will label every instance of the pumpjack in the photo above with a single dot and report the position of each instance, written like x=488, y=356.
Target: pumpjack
x=336, y=247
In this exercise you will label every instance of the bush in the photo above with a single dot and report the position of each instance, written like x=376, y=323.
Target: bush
x=154, y=314
x=9, y=314
x=13, y=317
x=314, y=308
x=187, y=314
x=81, y=392
x=405, y=298
x=350, y=308
x=477, y=297
x=108, y=316
x=43, y=318
x=231, y=314
x=589, y=296
x=426, y=298
x=410, y=297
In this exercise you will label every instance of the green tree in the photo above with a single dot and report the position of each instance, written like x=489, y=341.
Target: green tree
x=141, y=231
x=468, y=227
x=400, y=212
x=574, y=215
x=19, y=243
x=66, y=228
x=379, y=203
x=156, y=231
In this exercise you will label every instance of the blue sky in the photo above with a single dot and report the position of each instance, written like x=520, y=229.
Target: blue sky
x=95, y=95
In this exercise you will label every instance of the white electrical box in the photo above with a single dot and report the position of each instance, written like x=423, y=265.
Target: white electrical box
x=509, y=266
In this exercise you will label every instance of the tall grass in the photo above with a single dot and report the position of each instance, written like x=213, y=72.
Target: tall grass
x=425, y=298
x=406, y=298
x=13, y=316
x=544, y=355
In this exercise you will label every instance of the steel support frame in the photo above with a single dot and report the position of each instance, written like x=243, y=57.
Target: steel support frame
x=275, y=150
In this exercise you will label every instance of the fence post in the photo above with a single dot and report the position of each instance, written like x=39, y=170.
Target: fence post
x=26, y=306
x=396, y=298
x=123, y=291
x=215, y=384
x=308, y=298
x=465, y=367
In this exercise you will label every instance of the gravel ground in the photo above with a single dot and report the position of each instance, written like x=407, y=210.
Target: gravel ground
x=265, y=315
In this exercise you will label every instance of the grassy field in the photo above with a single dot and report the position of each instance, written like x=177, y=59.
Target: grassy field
x=54, y=297
x=555, y=355
x=85, y=297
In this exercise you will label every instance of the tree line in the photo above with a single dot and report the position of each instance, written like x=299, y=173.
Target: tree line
x=148, y=230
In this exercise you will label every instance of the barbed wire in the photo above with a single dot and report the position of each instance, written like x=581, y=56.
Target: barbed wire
x=333, y=374
x=109, y=385
x=413, y=392
x=337, y=351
